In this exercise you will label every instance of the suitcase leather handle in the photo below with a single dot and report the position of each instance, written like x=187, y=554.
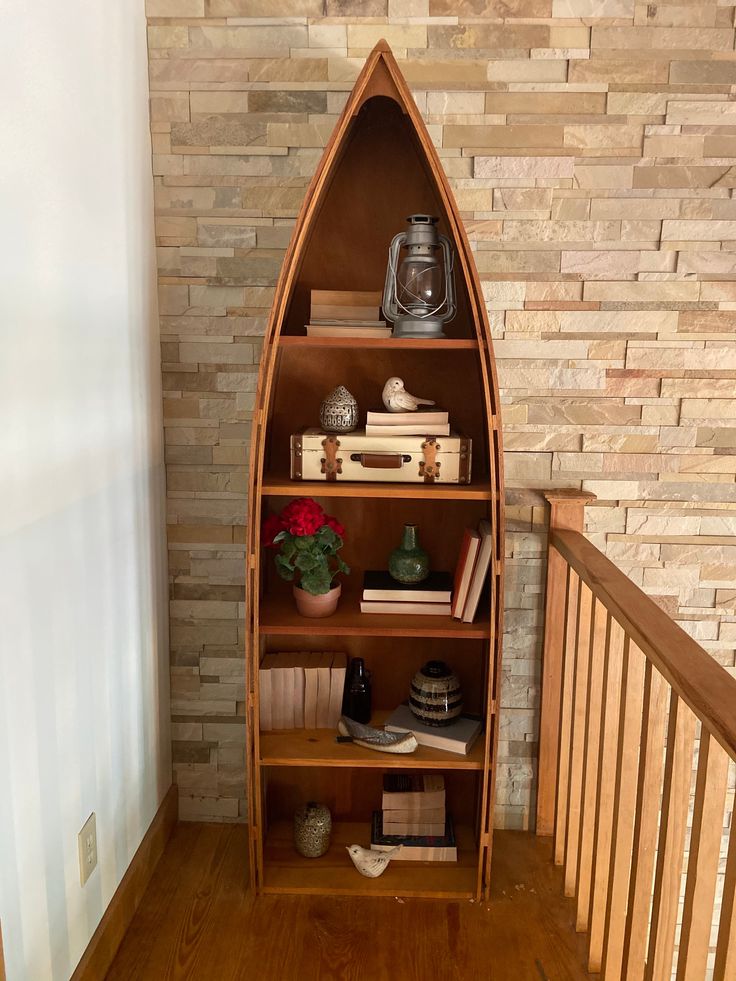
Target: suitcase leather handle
x=381, y=461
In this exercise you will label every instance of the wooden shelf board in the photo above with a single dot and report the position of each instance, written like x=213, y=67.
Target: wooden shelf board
x=278, y=616
x=411, y=343
x=317, y=747
x=281, y=485
x=334, y=874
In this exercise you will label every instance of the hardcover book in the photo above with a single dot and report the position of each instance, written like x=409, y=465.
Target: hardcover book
x=413, y=791
x=416, y=848
x=320, y=330
x=485, y=553
x=410, y=609
x=380, y=585
x=421, y=417
x=464, y=571
x=415, y=429
x=457, y=737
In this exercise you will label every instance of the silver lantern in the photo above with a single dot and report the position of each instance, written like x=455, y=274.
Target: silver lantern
x=419, y=295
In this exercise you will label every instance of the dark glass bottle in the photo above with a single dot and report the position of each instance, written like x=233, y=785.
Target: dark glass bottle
x=356, y=702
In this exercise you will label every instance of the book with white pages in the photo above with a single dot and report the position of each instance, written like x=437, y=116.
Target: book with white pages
x=480, y=572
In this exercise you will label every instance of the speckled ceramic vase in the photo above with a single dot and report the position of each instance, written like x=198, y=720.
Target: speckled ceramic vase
x=312, y=829
x=435, y=697
x=409, y=562
x=339, y=412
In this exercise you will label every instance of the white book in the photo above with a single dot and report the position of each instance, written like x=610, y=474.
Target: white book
x=480, y=572
x=264, y=695
x=457, y=737
x=324, y=668
x=406, y=609
x=311, y=685
x=430, y=429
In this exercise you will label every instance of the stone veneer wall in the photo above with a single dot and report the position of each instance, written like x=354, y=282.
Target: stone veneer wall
x=591, y=145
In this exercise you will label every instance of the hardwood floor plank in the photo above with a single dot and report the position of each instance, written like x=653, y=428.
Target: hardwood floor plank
x=199, y=921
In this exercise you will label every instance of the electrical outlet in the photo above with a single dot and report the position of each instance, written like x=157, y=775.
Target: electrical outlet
x=87, y=842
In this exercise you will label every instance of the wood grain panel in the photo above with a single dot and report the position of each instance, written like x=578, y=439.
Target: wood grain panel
x=600, y=636
x=702, y=865
x=646, y=822
x=627, y=757
x=606, y=793
x=566, y=696
x=578, y=735
x=672, y=829
x=198, y=920
x=725, y=964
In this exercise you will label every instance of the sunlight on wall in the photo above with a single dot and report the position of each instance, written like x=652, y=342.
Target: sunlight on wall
x=83, y=644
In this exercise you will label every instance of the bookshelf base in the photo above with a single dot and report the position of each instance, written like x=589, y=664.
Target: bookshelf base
x=285, y=871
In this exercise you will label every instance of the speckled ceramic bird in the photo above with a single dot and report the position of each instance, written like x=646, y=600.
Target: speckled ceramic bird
x=397, y=399
x=369, y=863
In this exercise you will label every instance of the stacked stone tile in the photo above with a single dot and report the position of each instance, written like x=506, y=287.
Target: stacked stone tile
x=591, y=147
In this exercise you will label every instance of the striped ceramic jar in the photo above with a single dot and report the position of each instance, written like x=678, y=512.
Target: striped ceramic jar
x=435, y=697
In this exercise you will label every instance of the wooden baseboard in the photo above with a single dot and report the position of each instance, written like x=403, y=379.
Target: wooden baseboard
x=106, y=939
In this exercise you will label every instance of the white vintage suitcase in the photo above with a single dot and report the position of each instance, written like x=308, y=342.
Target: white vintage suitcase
x=316, y=455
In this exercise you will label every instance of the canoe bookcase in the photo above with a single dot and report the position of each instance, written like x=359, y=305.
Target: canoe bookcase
x=378, y=167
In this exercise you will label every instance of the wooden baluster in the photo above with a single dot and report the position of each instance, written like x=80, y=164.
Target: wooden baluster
x=646, y=822
x=577, y=735
x=567, y=510
x=702, y=866
x=725, y=965
x=605, y=791
x=600, y=635
x=627, y=757
x=565, y=713
x=672, y=827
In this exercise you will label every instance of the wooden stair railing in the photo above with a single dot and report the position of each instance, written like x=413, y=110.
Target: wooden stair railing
x=631, y=705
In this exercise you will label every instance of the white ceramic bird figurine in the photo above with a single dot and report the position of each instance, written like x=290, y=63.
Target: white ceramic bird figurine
x=369, y=863
x=397, y=399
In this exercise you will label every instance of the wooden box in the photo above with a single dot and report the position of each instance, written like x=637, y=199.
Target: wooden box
x=316, y=455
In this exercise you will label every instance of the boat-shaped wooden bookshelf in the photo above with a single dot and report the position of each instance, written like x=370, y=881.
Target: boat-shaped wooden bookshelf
x=379, y=167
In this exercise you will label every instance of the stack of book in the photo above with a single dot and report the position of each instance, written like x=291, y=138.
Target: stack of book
x=413, y=816
x=301, y=690
x=346, y=313
x=476, y=554
x=384, y=594
x=432, y=422
x=457, y=736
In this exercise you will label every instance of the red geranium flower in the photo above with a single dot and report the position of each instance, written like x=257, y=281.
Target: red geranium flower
x=303, y=516
x=335, y=525
x=271, y=527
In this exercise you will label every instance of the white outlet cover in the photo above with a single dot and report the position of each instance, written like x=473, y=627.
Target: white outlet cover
x=87, y=844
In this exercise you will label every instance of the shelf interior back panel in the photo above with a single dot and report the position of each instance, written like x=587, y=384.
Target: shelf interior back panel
x=305, y=377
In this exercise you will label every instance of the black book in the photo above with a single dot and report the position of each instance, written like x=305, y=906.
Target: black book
x=380, y=585
x=416, y=848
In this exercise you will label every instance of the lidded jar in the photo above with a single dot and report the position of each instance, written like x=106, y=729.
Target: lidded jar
x=435, y=696
x=312, y=829
x=339, y=411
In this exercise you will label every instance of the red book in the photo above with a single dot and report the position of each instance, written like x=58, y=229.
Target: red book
x=464, y=571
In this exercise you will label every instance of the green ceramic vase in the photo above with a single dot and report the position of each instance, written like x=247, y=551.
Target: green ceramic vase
x=409, y=562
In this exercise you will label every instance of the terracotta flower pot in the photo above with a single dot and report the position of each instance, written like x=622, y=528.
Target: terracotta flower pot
x=323, y=605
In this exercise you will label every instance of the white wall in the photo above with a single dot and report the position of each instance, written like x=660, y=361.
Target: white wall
x=83, y=635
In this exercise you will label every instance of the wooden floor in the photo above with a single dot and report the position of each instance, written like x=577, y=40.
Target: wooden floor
x=198, y=921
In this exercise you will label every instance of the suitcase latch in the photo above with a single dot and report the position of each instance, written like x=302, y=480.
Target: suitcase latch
x=331, y=463
x=429, y=467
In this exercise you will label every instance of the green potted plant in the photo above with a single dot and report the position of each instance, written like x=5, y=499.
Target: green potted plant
x=308, y=541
